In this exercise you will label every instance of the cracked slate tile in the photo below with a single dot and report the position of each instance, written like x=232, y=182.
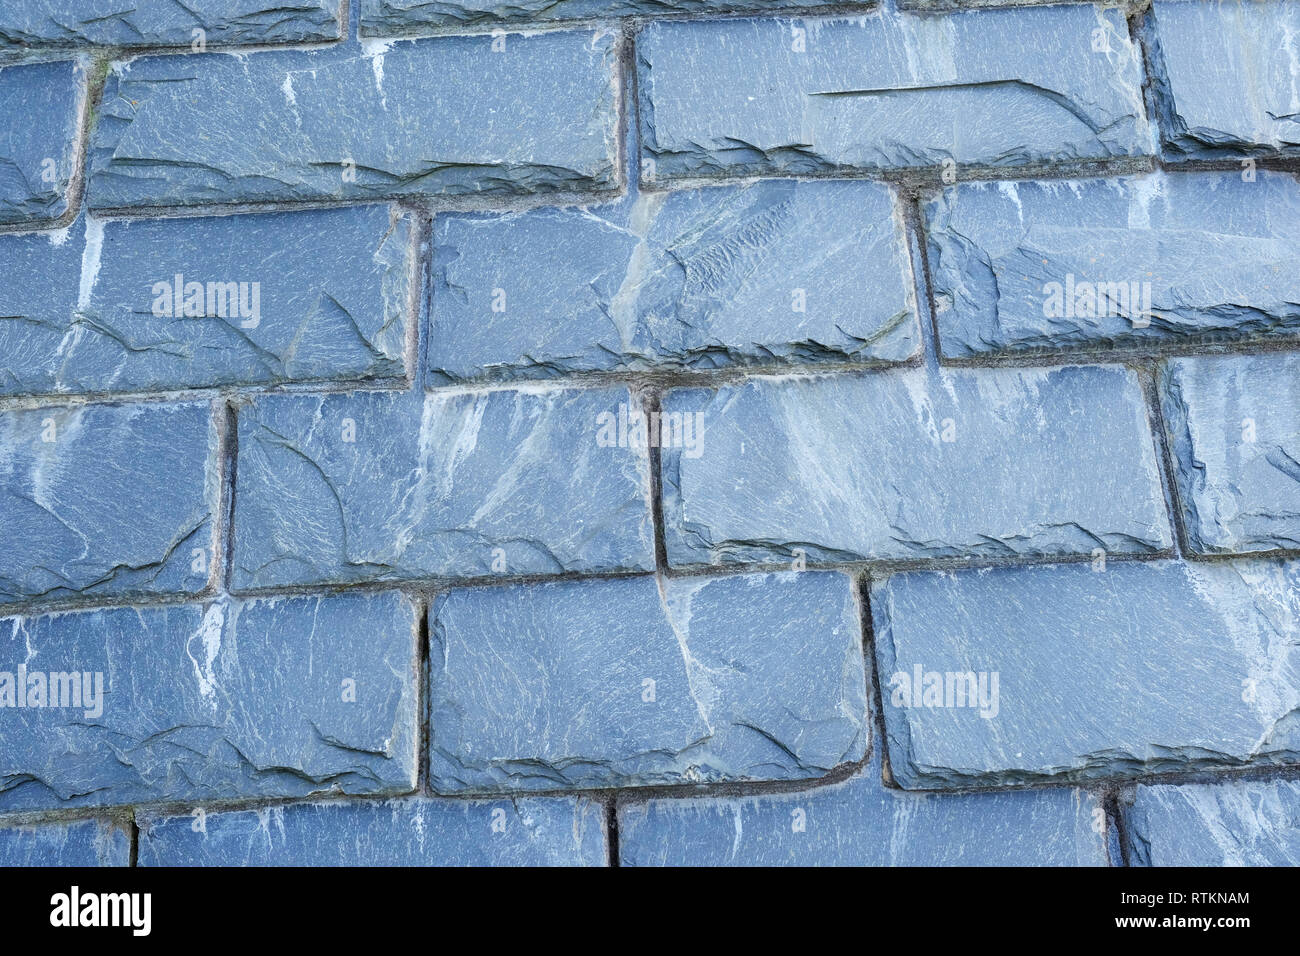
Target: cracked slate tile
x=914, y=464
x=1233, y=823
x=349, y=122
x=1224, y=77
x=628, y=681
x=77, y=23
x=1234, y=427
x=39, y=107
x=1151, y=260
x=107, y=500
x=708, y=278
x=1088, y=671
x=369, y=486
x=286, y=696
x=988, y=88
x=79, y=843
x=529, y=831
x=316, y=295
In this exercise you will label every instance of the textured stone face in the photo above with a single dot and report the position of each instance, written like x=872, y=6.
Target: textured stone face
x=861, y=823
x=347, y=122
x=1235, y=823
x=889, y=91
x=625, y=682
x=1141, y=667
x=80, y=843
x=39, y=104
x=1234, y=425
x=263, y=299
x=387, y=486
x=707, y=278
x=532, y=831
x=1150, y=260
x=1225, y=77
x=914, y=464
x=106, y=500
x=283, y=697
x=165, y=22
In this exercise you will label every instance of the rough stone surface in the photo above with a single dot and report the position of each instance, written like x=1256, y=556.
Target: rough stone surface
x=83, y=843
x=1235, y=823
x=106, y=500
x=1234, y=426
x=223, y=702
x=322, y=294
x=707, y=278
x=39, y=105
x=915, y=464
x=1224, y=77
x=1150, y=260
x=1140, y=667
x=621, y=683
x=533, y=831
x=443, y=485
x=348, y=122
x=995, y=88
x=39, y=23
x=860, y=822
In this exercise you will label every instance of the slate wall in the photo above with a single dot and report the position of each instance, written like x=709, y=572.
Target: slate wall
x=643, y=432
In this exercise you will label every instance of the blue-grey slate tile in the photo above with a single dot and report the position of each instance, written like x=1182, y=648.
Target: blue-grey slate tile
x=913, y=464
x=107, y=500
x=706, y=278
x=1233, y=823
x=39, y=107
x=286, y=696
x=438, y=485
x=1234, y=427
x=1088, y=670
x=79, y=843
x=622, y=682
x=1224, y=77
x=995, y=88
x=41, y=23
x=443, y=116
x=1119, y=263
x=861, y=822
x=532, y=831
x=317, y=295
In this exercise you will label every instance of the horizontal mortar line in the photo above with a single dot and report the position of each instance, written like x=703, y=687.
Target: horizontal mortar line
x=1155, y=352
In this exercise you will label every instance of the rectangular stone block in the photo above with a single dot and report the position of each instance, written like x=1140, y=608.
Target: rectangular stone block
x=369, y=486
x=446, y=116
x=40, y=107
x=79, y=843
x=623, y=682
x=529, y=831
x=1140, y=262
x=913, y=464
x=1234, y=823
x=1071, y=672
x=709, y=278
x=283, y=697
x=888, y=91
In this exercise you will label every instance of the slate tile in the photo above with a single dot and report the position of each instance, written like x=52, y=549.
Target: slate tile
x=39, y=107
x=1234, y=823
x=1140, y=667
x=281, y=697
x=622, y=682
x=913, y=464
x=1234, y=425
x=106, y=500
x=532, y=831
x=887, y=91
x=369, y=486
x=80, y=843
x=1136, y=262
x=709, y=278
x=445, y=116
